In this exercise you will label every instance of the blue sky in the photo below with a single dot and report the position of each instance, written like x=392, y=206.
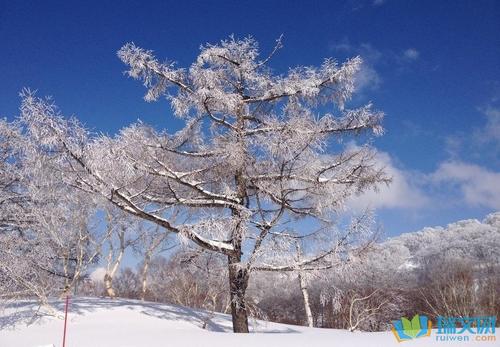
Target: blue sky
x=432, y=66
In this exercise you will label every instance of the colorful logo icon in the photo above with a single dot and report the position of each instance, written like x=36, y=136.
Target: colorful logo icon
x=405, y=329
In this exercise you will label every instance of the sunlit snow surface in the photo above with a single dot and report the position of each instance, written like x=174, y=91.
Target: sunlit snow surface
x=125, y=323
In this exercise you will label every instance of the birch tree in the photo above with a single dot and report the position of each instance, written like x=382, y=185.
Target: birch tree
x=121, y=234
x=151, y=241
x=355, y=242
x=261, y=156
x=305, y=295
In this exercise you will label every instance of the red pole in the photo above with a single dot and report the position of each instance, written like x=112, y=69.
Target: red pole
x=65, y=319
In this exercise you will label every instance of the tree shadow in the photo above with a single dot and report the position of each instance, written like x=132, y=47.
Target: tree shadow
x=21, y=312
x=28, y=312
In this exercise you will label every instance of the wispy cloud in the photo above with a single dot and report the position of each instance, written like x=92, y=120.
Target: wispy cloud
x=490, y=132
x=357, y=5
x=411, y=54
x=482, y=141
x=378, y=2
x=367, y=77
x=374, y=60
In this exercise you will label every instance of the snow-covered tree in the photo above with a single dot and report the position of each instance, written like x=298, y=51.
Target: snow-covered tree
x=262, y=157
x=46, y=227
x=354, y=243
x=15, y=218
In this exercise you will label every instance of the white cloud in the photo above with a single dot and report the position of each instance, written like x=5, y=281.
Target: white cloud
x=476, y=185
x=411, y=54
x=454, y=183
x=378, y=2
x=491, y=131
x=402, y=192
x=98, y=274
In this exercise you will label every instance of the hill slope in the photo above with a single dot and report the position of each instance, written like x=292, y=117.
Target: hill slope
x=112, y=323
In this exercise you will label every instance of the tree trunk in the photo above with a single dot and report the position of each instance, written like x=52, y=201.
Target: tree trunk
x=147, y=260
x=307, y=304
x=238, y=282
x=113, y=265
x=108, y=285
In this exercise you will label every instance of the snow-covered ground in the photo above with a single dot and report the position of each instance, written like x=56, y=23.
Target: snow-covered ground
x=111, y=323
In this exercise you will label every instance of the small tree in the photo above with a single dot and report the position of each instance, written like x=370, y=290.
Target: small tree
x=355, y=241
x=259, y=153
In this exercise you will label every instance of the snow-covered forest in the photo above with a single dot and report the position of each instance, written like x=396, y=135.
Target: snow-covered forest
x=450, y=271
x=243, y=210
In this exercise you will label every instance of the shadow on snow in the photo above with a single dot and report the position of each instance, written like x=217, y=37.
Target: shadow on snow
x=28, y=312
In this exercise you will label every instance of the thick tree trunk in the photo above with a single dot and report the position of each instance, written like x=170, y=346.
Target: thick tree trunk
x=307, y=304
x=108, y=286
x=238, y=282
x=113, y=265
